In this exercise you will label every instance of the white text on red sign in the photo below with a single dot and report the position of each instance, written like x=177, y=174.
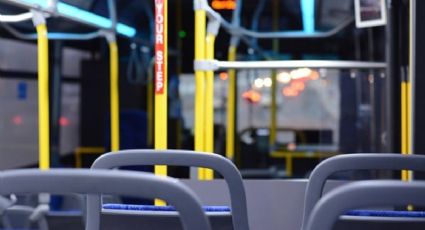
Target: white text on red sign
x=160, y=77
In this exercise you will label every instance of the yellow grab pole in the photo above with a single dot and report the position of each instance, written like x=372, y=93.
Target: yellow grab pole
x=209, y=105
x=43, y=96
x=161, y=71
x=231, y=107
x=403, y=125
x=409, y=174
x=406, y=175
x=407, y=142
x=289, y=164
x=114, y=98
x=200, y=31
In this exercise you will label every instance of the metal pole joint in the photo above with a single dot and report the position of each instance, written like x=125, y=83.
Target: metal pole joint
x=52, y=7
x=200, y=5
x=213, y=26
x=205, y=65
x=109, y=35
x=38, y=18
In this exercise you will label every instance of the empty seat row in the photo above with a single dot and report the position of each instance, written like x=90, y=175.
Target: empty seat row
x=313, y=206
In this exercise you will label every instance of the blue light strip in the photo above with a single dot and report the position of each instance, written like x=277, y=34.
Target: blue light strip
x=126, y=30
x=90, y=18
x=42, y=3
x=73, y=11
x=307, y=9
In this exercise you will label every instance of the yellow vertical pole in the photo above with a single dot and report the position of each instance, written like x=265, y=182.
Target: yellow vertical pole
x=161, y=73
x=200, y=31
x=404, y=125
x=232, y=87
x=408, y=174
x=288, y=163
x=231, y=107
x=408, y=134
x=407, y=142
x=209, y=105
x=114, y=79
x=407, y=93
x=114, y=100
x=43, y=96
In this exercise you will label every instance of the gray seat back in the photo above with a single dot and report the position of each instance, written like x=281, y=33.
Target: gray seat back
x=181, y=158
x=348, y=162
x=83, y=181
x=363, y=194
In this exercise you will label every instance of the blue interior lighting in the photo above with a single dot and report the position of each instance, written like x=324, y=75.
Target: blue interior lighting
x=88, y=17
x=307, y=9
x=73, y=11
x=126, y=30
x=42, y=3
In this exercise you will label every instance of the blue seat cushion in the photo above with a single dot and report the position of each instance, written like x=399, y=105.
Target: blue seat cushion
x=65, y=213
x=386, y=213
x=134, y=207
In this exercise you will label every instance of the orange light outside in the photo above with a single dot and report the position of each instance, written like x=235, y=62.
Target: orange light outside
x=298, y=85
x=314, y=75
x=223, y=4
x=252, y=96
x=224, y=76
x=290, y=92
x=298, y=82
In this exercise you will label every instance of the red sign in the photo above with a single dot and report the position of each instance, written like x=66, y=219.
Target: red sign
x=160, y=59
